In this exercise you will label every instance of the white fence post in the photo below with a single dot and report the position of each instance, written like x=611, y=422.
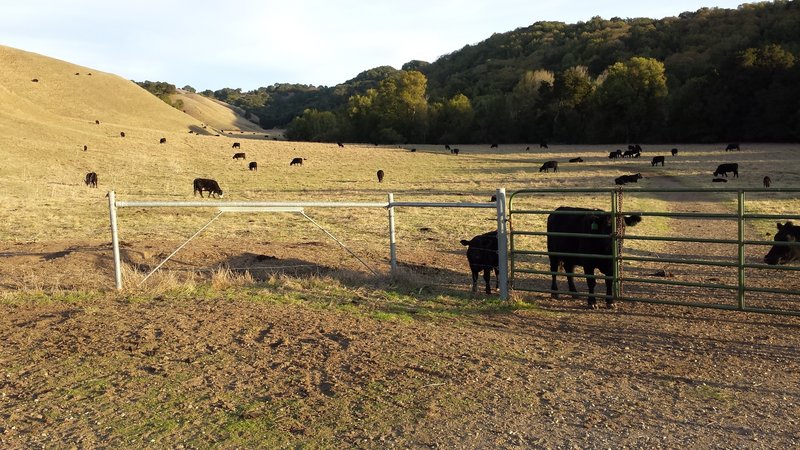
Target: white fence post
x=502, y=243
x=112, y=209
x=392, y=240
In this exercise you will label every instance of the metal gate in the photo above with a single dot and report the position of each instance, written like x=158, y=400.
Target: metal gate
x=659, y=267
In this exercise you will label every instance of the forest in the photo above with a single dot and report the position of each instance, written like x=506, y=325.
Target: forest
x=710, y=75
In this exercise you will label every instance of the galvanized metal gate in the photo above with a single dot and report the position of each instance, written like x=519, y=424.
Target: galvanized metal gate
x=751, y=284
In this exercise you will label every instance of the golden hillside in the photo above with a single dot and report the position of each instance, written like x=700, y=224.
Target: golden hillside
x=214, y=113
x=63, y=99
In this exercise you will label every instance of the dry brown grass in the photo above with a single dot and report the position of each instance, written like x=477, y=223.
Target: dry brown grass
x=46, y=124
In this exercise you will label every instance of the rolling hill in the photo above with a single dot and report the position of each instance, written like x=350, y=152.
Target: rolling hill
x=214, y=113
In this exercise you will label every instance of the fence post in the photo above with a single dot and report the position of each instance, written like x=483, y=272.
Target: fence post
x=112, y=209
x=502, y=243
x=740, y=259
x=392, y=241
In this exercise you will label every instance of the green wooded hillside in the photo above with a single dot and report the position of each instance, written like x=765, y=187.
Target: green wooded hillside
x=704, y=76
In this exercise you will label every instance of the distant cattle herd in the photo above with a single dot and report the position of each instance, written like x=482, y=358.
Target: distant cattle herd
x=482, y=252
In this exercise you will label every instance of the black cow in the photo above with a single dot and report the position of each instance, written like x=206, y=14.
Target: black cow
x=631, y=147
x=578, y=159
x=35, y=80
x=236, y=145
x=781, y=254
x=723, y=170
x=584, y=221
x=239, y=156
x=447, y=147
x=615, y=154
x=528, y=148
x=85, y=147
x=482, y=256
x=674, y=152
x=456, y=151
x=631, y=154
x=656, y=160
x=543, y=145
x=206, y=184
x=253, y=165
x=97, y=122
x=732, y=147
x=298, y=161
x=413, y=150
x=91, y=179
x=719, y=180
x=162, y=141
x=549, y=165
x=767, y=181
x=121, y=134
x=340, y=144
x=380, y=176
x=624, y=179
x=493, y=146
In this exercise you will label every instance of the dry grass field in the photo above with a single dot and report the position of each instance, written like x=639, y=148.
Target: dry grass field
x=264, y=332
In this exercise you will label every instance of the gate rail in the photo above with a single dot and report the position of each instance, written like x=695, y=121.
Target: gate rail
x=615, y=195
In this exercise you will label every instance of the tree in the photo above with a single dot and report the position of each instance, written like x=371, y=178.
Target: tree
x=572, y=92
x=188, y=88
x=629, y=102
x=452, y=120
x=528, y=105
x=313, y=125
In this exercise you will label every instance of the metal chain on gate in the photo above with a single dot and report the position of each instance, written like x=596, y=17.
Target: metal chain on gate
x=619, y=237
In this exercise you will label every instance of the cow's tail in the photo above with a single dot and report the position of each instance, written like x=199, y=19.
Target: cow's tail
x=465, y=242
x=632, y=220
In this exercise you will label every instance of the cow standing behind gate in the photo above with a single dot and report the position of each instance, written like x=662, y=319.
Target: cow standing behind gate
x=482, y=256
x=596, y=251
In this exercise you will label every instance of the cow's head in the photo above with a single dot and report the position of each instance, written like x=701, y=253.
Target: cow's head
x=781, y=253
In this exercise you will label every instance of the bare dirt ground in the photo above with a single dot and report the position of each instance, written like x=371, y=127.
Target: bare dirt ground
x=232, y=370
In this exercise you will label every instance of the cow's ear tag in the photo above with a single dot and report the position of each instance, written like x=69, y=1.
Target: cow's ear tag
x=594, y=226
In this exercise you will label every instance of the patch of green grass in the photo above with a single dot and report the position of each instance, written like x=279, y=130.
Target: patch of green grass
x=707, y=392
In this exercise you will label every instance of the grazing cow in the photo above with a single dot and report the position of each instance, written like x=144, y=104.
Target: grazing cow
x=767, y=181
x=578, y=159
x=719, y=180
x=781, y=254
x=674, y=152
x=297, y=161
x=632, y=153
x=723, y=170
x=380, y=176
x=549, y=165
x=624, y=179
x=85, y=147
x=121, y=134
x=455, y=151
x=584, y=221
x=482, y=256
x=528, y=148
x=91, y=179
x=239, y=156
x=493, y=146
x=340, y=144
x=77, y=73
x=413, y=150
x=35, y=80
x=631, y=147
x=162, y=141
x=253, y=165
x=97, y=122
x=543, y=145
x=656, y=160
x=615, y=154
x=206, y=184
x=732, y=147
x=235, y=145
x=447, y=147
x=493, y=199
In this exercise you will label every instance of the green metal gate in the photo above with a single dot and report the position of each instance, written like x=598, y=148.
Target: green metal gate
x=751, y=284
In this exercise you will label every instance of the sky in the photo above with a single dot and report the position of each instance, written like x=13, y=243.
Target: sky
x=249, y=43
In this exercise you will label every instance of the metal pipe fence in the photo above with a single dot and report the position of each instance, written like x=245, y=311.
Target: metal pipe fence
x=299, y=207
x=753, y=278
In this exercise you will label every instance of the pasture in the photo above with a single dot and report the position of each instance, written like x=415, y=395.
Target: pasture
x=263, y=332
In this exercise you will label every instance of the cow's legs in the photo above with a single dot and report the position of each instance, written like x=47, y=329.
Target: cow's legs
x=487, y=275
x=475, y=272
x=609, y=298
x=570, y=268
x=497, y=278
x=554, y=284
x=591, y=282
